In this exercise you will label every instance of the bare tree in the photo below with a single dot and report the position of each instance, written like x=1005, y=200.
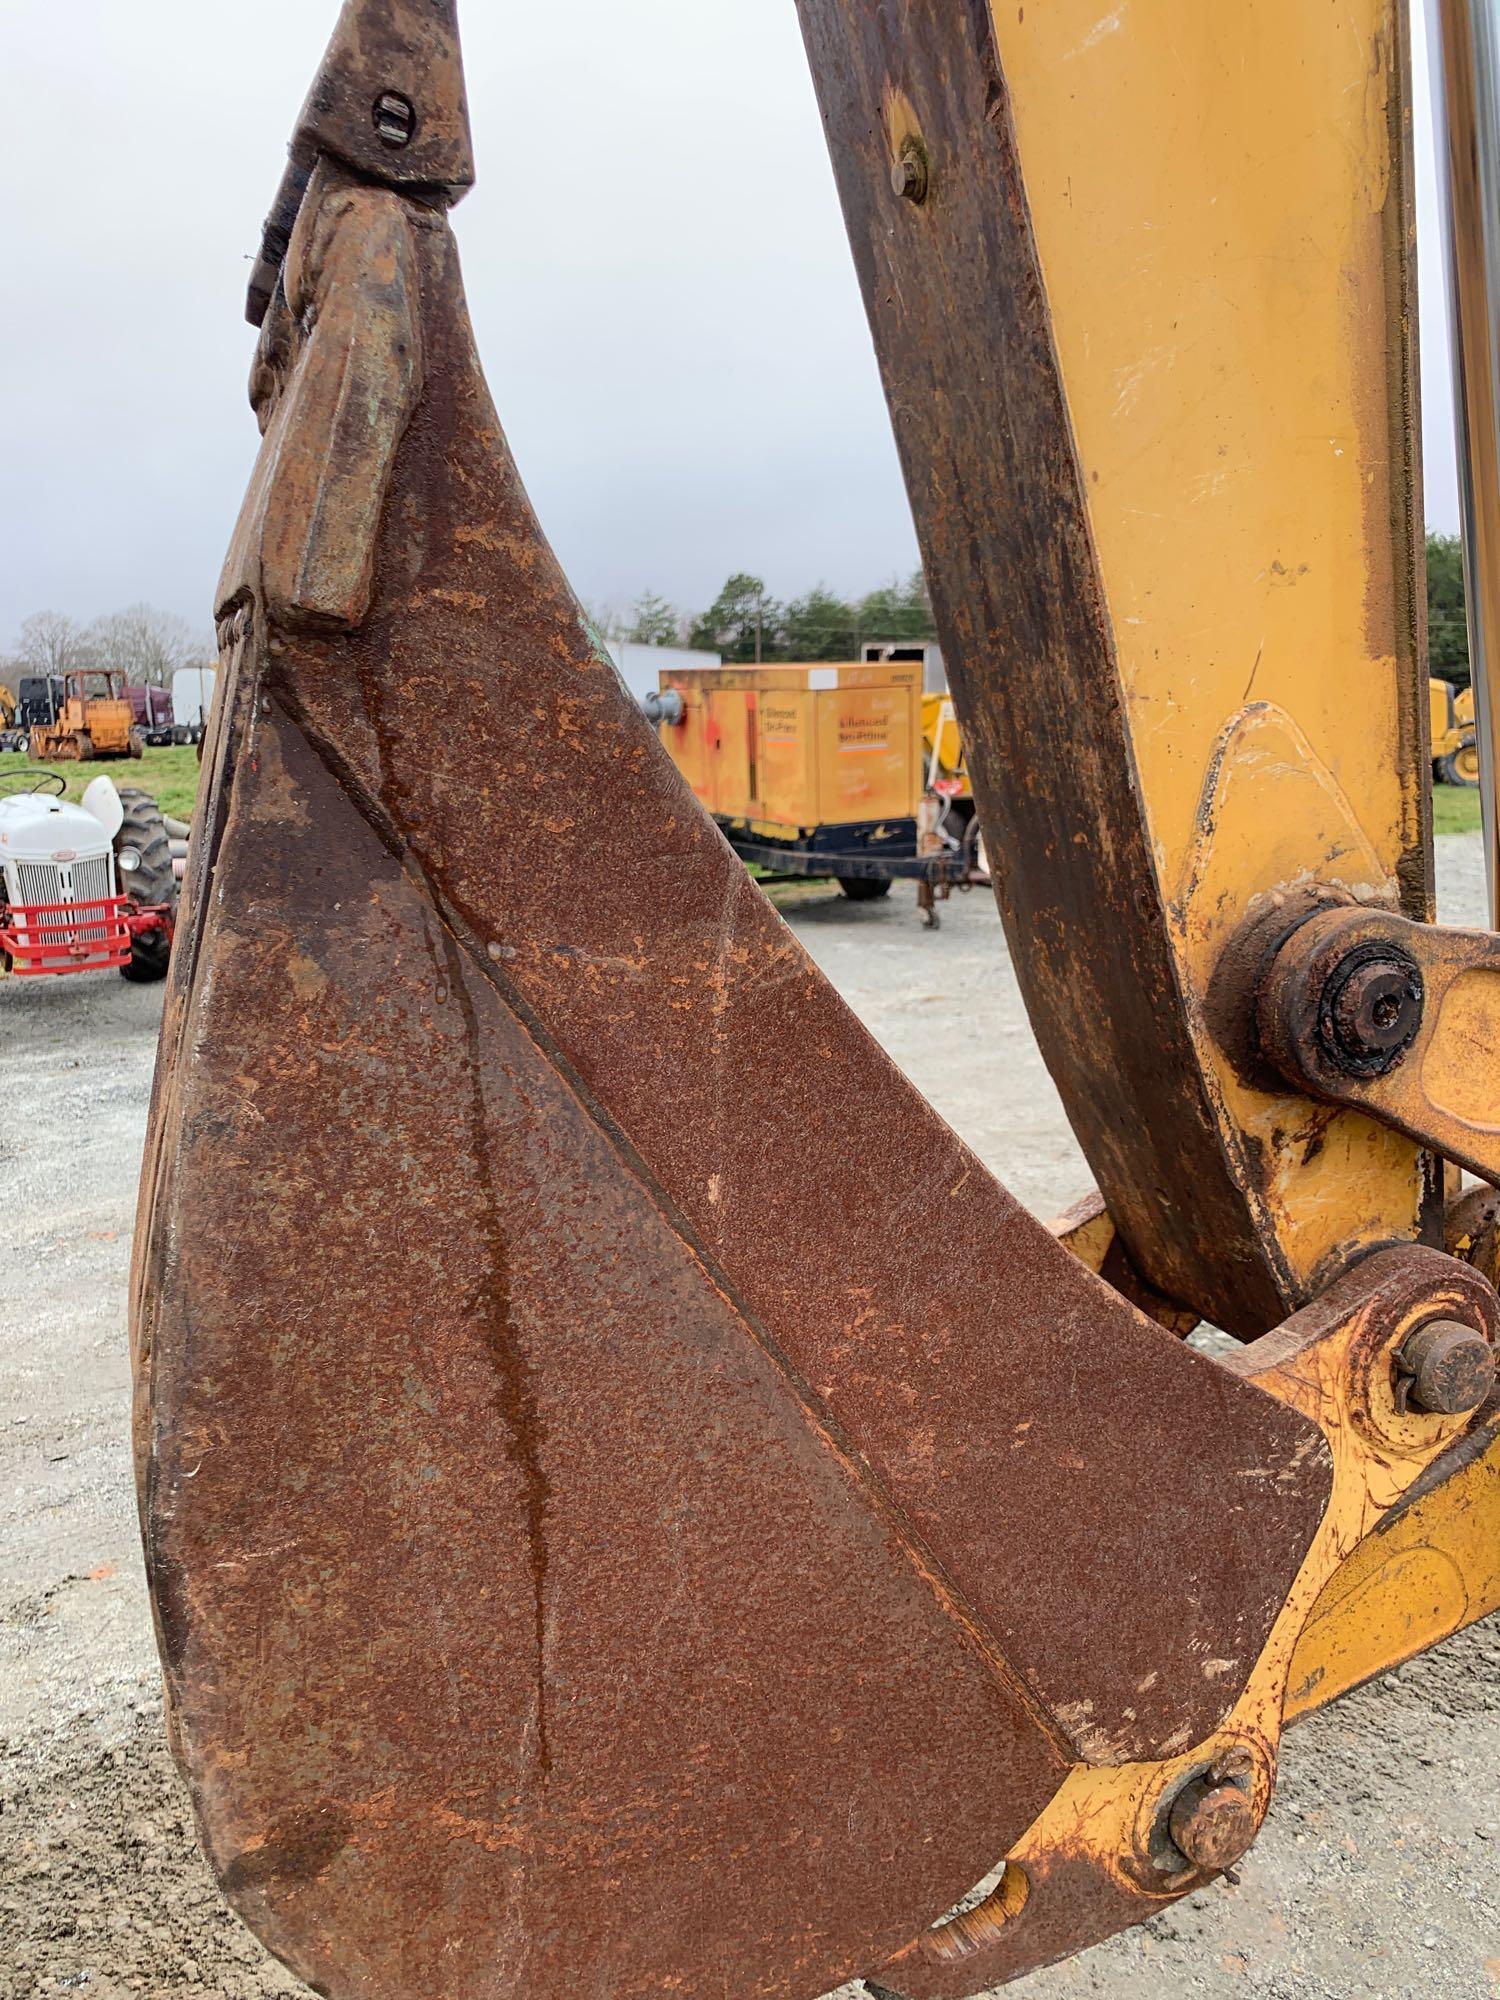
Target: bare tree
x=53, y=644
x=608, y=621
x=147, y=645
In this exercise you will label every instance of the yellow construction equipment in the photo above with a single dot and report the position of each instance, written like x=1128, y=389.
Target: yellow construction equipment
x=945, y=768
x=1455, y=750
x=633, y=1505
x=95, y=720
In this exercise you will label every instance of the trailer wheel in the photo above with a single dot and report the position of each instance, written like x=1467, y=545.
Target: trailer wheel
x=864, y=888
x=152, y=884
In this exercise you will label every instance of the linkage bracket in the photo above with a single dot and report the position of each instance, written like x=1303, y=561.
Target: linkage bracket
x=1397, y=1019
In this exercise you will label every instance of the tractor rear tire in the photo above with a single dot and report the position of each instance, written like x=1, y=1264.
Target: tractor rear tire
x=1462, y=768
x=152, y=885
x=864, y=888
x=137, y=744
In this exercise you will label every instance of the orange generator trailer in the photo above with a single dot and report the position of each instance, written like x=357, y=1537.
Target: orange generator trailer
x=814, y=769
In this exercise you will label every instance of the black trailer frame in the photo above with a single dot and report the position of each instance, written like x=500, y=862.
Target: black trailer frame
x=869, y=851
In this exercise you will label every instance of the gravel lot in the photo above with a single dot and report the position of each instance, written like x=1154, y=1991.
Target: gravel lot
x=1376, y=1876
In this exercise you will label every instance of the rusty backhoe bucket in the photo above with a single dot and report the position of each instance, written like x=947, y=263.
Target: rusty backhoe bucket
x=632, y=1505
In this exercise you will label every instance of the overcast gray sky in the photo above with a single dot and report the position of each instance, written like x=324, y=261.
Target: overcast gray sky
x=655, y=258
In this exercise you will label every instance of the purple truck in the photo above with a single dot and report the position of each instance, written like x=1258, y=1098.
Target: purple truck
x=151, y=711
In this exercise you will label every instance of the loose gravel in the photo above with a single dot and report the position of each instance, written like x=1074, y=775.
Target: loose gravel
x=1375, y=1878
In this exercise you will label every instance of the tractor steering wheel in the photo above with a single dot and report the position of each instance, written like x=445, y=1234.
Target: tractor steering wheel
x=35, y=781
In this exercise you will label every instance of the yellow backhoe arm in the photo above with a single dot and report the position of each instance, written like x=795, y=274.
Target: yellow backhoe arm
x=622, y=1517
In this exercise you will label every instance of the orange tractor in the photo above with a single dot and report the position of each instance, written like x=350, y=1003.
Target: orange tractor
x=95, y=720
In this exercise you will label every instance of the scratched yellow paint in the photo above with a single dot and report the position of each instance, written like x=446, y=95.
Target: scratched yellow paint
x=1458, y=1072
x=1218, y=199
x=1209, y=187
x=1435, y=1570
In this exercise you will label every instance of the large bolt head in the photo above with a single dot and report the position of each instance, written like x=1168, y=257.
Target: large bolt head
x=909, y=177
x=1446, y=1369
x=1213, y=1824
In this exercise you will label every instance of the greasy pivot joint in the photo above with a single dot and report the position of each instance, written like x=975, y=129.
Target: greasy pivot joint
x=1210, y=1822
x=1370, y=1010
x=1364, y=1008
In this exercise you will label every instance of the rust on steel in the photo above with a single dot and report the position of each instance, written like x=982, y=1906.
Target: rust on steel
x=1399, y=1019
x=387, y=102
x=958, y=307
x=1446, y=1368
x=1107, y=1852
x=1214, y=1825
x=615, y=1522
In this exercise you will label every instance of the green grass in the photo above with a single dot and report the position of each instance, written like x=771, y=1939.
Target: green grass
x=1455, y=809
x=171, y=776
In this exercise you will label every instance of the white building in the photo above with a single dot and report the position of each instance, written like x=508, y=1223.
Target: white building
x=641, y=667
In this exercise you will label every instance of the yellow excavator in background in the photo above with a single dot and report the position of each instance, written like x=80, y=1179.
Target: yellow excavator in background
x=1455, y=745
x=633, y=1506
x=94, y=721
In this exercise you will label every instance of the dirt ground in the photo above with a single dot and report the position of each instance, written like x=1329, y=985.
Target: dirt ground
x=1376, y=1876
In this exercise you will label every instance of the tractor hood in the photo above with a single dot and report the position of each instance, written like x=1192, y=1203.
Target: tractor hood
x=34, y=826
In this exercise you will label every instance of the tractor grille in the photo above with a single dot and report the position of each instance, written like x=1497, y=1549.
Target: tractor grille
x=63, y=917
x=40, y=883
x=92, y=884
x=43, y=884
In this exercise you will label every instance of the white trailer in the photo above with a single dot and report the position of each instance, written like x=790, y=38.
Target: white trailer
x=192, y=698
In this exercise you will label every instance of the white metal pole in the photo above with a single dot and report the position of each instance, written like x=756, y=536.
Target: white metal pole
x=1465, y=63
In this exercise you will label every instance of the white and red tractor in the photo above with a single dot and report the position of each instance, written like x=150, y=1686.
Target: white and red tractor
x=84, y=888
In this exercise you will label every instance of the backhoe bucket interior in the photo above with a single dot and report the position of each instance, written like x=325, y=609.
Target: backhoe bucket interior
x=632, y=1505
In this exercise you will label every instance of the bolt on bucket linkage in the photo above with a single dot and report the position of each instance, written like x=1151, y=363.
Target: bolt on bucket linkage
x=606, y=1538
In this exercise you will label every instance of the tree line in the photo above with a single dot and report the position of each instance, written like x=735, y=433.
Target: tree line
x=746, y=623
x=141, y=642
x=1447, y=620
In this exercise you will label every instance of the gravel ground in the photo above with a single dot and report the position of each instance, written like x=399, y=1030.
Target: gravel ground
x=1376, y=1876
